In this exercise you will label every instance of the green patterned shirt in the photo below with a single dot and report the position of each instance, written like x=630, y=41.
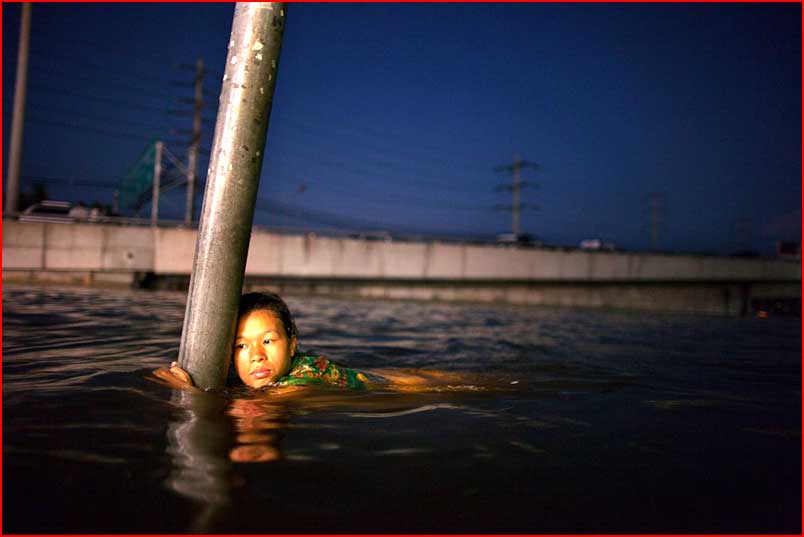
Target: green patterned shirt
x=318, y=370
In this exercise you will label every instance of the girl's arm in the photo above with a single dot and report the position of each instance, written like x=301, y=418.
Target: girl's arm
x=422, y=380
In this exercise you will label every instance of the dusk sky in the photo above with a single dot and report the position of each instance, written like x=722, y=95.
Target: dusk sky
x=394, y=116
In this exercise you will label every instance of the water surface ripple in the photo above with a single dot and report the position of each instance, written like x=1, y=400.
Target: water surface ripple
x=565, y=421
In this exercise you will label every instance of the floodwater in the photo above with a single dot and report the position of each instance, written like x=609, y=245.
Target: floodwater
x=582, y=421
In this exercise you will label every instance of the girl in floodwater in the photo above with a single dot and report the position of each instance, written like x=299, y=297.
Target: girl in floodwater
x=266, y=353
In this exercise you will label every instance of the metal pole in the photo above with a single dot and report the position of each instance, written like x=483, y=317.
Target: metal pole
x=232, y=181
x=515, y=201
x=18, y=114
x=156, y=181
x=192, y=154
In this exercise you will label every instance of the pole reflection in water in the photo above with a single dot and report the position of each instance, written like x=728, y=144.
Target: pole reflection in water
x=198, y=442
x=211, y=432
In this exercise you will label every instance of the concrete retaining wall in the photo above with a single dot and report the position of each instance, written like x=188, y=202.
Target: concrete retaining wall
x=88, y=247
x=109, y=253
x=41, y=246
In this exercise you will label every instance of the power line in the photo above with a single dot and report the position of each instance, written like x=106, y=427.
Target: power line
x=69, y=181
x=71, y=125
x=381, y=164
x=85, y=116
x=347, y=123
x=110, y=49
x=412, y=200
x=98, y=66
x=345, y=223
x=127, y=88
x=319, y=217
x=62, y=91
x=401, y=148
x=370, y=169
x=387, y=197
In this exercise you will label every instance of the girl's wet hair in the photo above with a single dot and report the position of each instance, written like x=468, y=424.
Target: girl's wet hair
x=250, y=302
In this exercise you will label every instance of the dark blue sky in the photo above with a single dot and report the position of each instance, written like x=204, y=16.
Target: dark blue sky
x=393, y=116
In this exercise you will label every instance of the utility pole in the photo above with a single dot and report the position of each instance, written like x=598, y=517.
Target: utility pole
x=156, y=181
x=18, y=114
x=515, y=188
x=654, y=212
x=192, y=154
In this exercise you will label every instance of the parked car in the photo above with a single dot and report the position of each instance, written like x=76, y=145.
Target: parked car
x=518, y=239
x=372, y=236
x=48, y=211
x=596, y=244
x=789, y=250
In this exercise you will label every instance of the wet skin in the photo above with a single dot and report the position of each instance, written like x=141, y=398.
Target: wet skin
x=262, y=352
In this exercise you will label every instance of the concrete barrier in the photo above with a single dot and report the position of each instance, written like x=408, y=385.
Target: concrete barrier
x=173, y=250
x=105, y=254
x=23, y=246
x=127, y=249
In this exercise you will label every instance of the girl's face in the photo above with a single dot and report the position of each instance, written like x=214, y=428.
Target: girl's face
x=262, y=350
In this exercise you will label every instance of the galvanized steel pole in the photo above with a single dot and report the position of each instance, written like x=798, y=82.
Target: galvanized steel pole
x=18, y=114
x=231, y=192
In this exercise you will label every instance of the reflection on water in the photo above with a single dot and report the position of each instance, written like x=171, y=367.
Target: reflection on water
x=545, y=420
x=258, y=429
x=209, y=432
x=198, y=442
